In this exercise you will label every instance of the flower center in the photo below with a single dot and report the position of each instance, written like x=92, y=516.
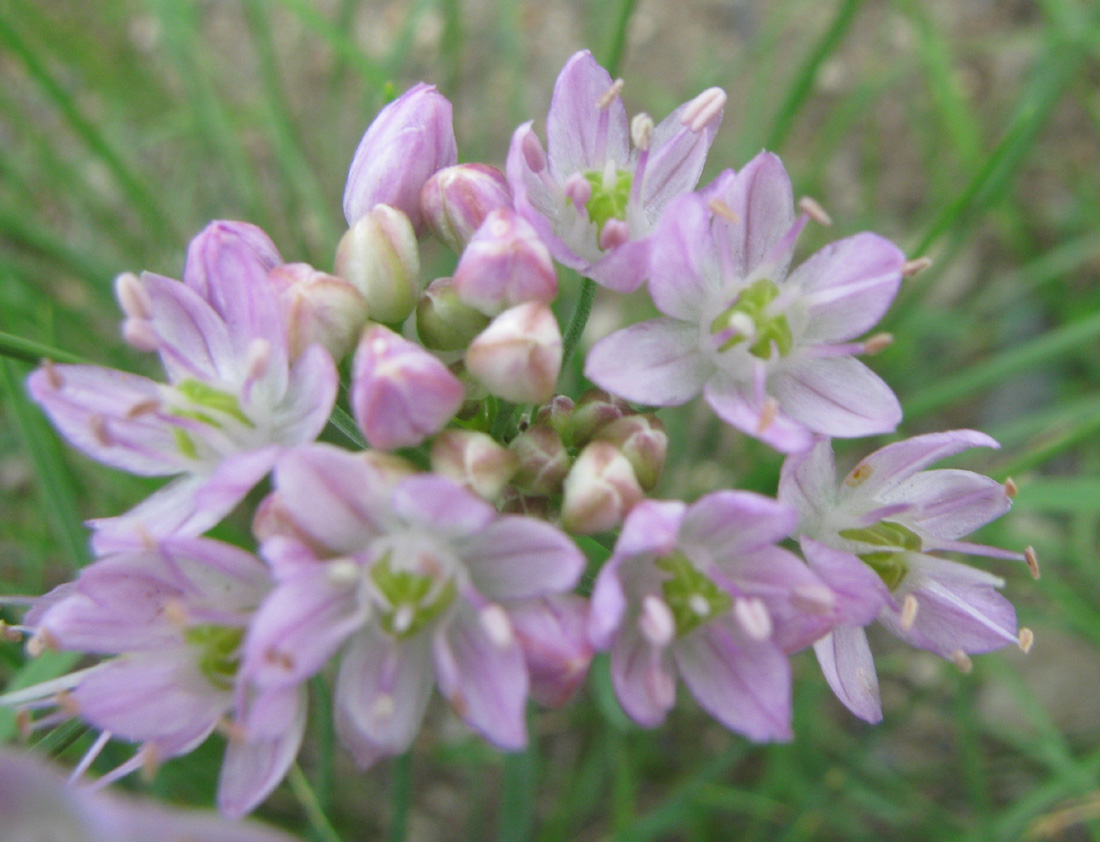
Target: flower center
x=208, y=405
x=690, y=594
x=748, y=320
x=889, y=563
x=610, y=194
x=412, y=598
x=219, y=652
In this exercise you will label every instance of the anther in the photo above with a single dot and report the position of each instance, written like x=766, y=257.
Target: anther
x=383, y=708
x=641, y=131
x=578, y=190
x=698, y=113
x=609, y=95
x=814, y=211
x=698, y=603
x=53, y=376
x=1026, y=639
x=24, y=724
x=100, y=433
x=232, y=731
x=68, y=703
x=150, y=761
x=813, y=599
x=656, y=622
x=403, y=618
x=343, y=572
x=962, y=661
x=278, y=658
x=615, y=232
x=8, y=633
x=720, y=208
x=909, y=608
x=175, y=612
x=913, y=267
x=41, y=641
x=1032, y=562
x=768, y=414
x=1011, y=489
x=877, y=342
x=132, y=296
x=498, y=627
x=753, y=616
x=142, y=408
x=532, y=153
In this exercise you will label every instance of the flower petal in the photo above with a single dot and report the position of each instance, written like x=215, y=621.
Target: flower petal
x=762, y=202
x=735, y=404
x=807, y=481
x=731, y=523
x=439, y=505
x=575, y=139
x=950, y=503
x=675, y=161
x=518, y=557
x=683, y=275
x=642, y=675
x=837, y=396
x=656, y=362
x=848, y=666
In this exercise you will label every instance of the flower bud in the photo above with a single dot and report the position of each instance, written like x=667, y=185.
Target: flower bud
x=543, y=460
x=400, y=393
x=443, y=321
x=409, y=140
x=643, y=441
x=552, y=631
x=456, y=200
x=518, y=356
x=595, y=409
x=319, y=308
x=379, y=255
x=599, y=491
x=228, y=249
x=475, y=460
x=558, y=413
x=505, y=264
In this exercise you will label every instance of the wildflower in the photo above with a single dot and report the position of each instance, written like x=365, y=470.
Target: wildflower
x=380, y=256
x=892, y=514
x=456, y=200
x=518, y=356
x=591, y=197
x=413, y=576
x=233, y=399
x=769, y=350
x=702, y=591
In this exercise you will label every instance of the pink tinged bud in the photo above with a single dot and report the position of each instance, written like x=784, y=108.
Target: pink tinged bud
x=456, y=200
x=410, y=140
x=380, y=256
x=400, y=393
x=518, y=356
x=558, y=413
x=543, y=460
x=704, y=109
x=475, y=460
x=552, y=634
x=643, y=441
x=319, y=309
x=505, y=264
x=225, y=248
x=599, y=491
x=596, y=409
x=444, y=322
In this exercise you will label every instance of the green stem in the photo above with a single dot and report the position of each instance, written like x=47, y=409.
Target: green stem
x=400, y=796
x=33, y=352
x=618, y=38
x=322, y=827
x=517, y=810
x=578, y=320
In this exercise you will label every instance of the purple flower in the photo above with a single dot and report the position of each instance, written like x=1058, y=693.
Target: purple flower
x=38, y=805
x=768, y=349
x=890, y=514
x=703, y=591
x=233, y=398
x=413, y=578
x=591, y=197
x=173, y=615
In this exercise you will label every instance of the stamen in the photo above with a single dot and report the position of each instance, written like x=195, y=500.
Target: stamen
x=403, y=618
x=132, y=296
x=89, y=756
x=877, y=342
x=813, y=599
x=9, y=633
x=383, y=708
x=578, y=190
x=753, y=616
x=1011, y=489
x=698, y=113
x=100, y=433
x=232, y=731
x=24, y=724
x=142, y=408
x=720, y=208
x=913, y=267
x=343, y=572
x=698, y=603
x=41, y=641
x=533, y=154
x=609, y=95
x=909, y=608
x=280, y=659
x=768, y=414
x=53, y=376
x=259, y=358
x=641, y=131
x=962, y=661
x=1026, y=639
x=615, y=232
x=140, y=334
x=656, y=622
x=814, y=211
x=1032, y=562
x=150, y=761
x=68, y=703
x=175, y=612
x=494, y=620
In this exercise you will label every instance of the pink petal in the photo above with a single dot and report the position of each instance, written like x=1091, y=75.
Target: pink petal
x=837, y=396
x=762, y=201
x=675, y=161
x=731, y=523
x=573, y=122
x=684, y=277
x=656, y=362
x=807, y=481
x=642, y=675
x=846, y=662
x=518, y=557
x=734, y=403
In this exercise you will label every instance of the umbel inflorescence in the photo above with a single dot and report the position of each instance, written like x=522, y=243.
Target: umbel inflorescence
x=443, y=553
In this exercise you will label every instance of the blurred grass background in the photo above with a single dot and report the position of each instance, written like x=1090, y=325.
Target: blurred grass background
x=969, y=132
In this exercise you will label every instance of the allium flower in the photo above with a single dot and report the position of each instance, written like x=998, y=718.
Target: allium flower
x=414, y=577
x=769, y=350
x=891, y=514
x=38, y=805
x=591, y=197
x=174, y=615
x=234, y=396
x=703, y=591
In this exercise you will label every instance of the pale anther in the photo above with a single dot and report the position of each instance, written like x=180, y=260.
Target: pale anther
x=1025, y=639
x=1032, y=562
x=698, y=113
x=814, y=211
x=962, y=661
x=720, y=208
x=877, y=342
x=641, y=131
x=494, y=619
x=609, y=95
x=909, y=608
x=1011, y=489
x=912, y=267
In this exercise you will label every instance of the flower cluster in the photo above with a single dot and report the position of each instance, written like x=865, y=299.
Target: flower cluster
x=444, y=553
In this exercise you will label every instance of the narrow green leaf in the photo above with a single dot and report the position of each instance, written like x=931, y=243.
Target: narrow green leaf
x=517, y=806
x=47, y=666
x=319, y=823
x=340, y=41
x=30, y=351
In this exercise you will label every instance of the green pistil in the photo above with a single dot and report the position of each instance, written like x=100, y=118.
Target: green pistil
x=407, y=592
x=691, y=596
x=220, y=652
x=608, y=201
x=206, y=397
x=753, y=302
x=889, y=564
x=185, y=443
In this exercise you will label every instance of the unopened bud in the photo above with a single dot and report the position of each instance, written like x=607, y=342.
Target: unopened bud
x=444, y=322
x=319, y=309
x=643, y=441
x=599, y=490
x=410, y=140
x=226, y=249
x=505, y=264
x=475, y=460
x=542, y=460
x=379, y=255
x=558, y=413
x=456, y=200
x=518, y=356
x=596, y=409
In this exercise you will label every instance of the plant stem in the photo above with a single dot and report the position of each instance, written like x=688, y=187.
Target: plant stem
x=322, y=827
x=578, y=320
x=400, y=795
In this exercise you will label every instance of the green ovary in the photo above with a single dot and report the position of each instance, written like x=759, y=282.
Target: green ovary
x=410, y=595
x=889, y=564
x=219, y=652
x=206, y=400
x=610, y=195
x=766, y=329
x=691, y=596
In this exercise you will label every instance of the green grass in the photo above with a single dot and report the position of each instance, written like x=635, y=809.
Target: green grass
x=125, y=127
